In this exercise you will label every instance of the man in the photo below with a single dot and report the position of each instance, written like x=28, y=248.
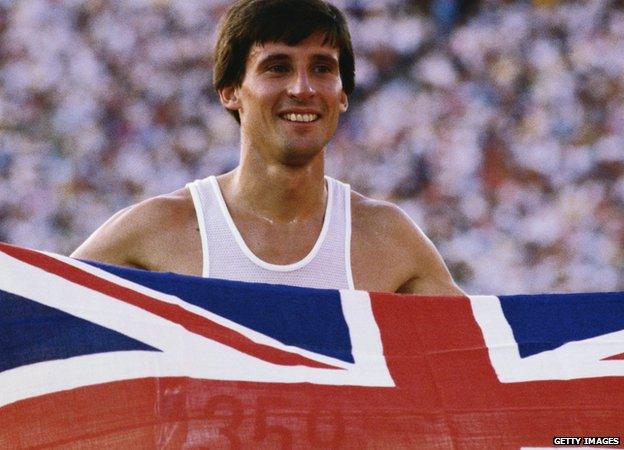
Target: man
x=284, y=70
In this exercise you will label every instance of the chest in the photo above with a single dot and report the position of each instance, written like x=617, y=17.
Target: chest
x=279, y=243
x=374, y=265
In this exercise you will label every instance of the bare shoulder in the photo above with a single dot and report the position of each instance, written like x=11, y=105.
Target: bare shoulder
x=406, y=259
x=382, y=218
x=138, y=235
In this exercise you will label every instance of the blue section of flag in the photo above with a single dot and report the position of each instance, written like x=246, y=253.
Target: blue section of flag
x=273, y=310
x=31, y=332
x=546, y=322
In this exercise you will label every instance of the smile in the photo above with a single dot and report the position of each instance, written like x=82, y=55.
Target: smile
x=292, y=117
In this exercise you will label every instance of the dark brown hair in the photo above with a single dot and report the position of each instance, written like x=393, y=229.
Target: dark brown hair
x=250, y=22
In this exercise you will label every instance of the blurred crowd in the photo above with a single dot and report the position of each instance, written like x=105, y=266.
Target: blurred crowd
x=499, y=128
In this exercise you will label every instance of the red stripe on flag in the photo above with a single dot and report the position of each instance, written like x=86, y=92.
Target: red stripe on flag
x=614, y=358
x=192, y=322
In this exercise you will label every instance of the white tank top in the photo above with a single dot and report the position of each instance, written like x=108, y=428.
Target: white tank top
x=226, y=255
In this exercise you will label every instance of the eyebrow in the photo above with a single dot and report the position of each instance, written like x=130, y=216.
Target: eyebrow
x=323, y=57
x=273, y=58
x=278, y=57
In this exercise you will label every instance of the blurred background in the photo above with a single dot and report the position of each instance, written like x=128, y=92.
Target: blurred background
x=497, y=125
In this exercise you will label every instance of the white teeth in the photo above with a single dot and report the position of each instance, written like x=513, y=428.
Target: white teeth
x=300, y=117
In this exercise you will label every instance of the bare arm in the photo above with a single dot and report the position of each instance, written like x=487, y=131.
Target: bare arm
x=391, y=254
x=157, y=234
x=116, y=241
x=429, y=274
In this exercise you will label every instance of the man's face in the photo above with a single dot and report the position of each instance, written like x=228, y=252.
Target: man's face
x=290, y=99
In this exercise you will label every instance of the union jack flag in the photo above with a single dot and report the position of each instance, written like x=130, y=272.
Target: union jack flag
x=102, y=356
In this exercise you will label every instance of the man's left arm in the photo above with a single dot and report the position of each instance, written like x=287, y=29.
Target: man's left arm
x=430, y=276
x=426, y=272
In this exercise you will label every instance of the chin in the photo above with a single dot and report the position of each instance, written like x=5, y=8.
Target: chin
x=300, y=155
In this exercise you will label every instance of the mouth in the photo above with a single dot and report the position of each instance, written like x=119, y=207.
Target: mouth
x=299, y=118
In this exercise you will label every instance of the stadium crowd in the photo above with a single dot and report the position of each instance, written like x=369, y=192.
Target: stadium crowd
x=500, y=132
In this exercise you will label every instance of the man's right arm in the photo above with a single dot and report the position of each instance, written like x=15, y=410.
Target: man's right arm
x=118, y=240
x=160, y=233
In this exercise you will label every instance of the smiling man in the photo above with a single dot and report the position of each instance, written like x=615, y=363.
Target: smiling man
x=284, y=69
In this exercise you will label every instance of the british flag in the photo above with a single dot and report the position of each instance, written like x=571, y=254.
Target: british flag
x=100, y=356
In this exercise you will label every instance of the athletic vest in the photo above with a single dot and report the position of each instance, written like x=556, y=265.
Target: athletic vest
x=226, y=255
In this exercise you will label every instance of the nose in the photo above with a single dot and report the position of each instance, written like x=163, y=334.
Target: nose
x=301, y=87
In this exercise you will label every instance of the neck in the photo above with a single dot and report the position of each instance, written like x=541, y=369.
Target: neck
x=277, y=191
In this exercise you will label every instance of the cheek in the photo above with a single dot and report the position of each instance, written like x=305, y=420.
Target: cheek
x=335, y=94
x=261, y=100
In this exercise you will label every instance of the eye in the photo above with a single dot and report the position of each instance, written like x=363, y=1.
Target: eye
x=278, y=68
x=322, y=68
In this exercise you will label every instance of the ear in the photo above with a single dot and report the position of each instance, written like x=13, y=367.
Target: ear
x=229, y=98
x=344, y=102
